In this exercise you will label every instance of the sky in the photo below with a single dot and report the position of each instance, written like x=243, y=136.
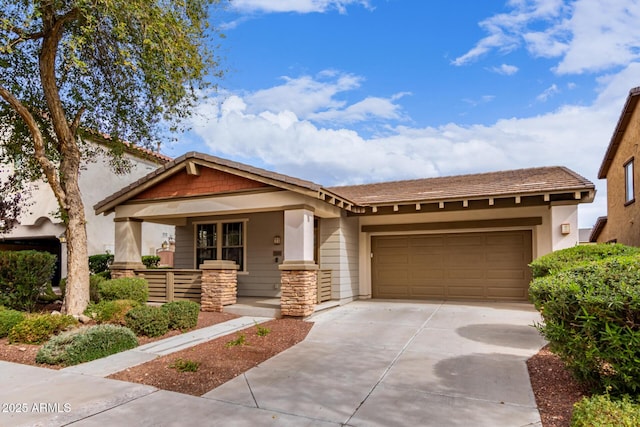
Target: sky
x=346, y=92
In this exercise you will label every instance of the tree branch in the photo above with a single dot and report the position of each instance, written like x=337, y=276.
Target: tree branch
x=76, y=120
x=48, y=167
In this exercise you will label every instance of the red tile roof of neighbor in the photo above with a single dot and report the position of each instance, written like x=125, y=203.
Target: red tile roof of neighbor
x=621, y=127
x=512, y=182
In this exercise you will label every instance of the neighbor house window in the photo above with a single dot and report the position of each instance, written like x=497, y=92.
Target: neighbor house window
x=629, y=192
x=221, y=240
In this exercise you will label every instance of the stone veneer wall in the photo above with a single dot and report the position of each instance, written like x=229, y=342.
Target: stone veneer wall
x=299, y=288
x=219, y=285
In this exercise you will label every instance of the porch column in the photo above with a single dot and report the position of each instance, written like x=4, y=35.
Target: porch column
x=299, y=272
x=219, y=284
x=128, y=247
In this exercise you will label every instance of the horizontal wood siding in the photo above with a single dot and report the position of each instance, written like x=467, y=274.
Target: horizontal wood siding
x=184, y=255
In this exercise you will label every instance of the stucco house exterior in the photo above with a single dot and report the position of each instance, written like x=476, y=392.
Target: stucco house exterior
x=619, y=168
x=460, y=237
x=41, y=228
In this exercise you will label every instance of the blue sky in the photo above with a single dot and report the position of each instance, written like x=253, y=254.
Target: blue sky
x=356, y=91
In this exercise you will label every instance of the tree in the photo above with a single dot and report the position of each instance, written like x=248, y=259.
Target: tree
x=131, y=69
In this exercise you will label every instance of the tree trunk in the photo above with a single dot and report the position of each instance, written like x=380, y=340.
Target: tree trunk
x=77, y=290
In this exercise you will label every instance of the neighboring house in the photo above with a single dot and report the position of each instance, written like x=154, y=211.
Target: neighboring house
x=41, y=228
x=619, y=168
x=465, y=237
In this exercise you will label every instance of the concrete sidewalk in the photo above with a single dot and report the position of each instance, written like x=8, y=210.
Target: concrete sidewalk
x=367, y=363
x=127, y=359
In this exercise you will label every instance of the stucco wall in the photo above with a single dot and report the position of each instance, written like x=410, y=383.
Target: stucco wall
x=623, y=222
x=96, y=182
x=339, y=253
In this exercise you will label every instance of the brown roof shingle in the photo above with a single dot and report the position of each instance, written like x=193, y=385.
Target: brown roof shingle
x=492, y=184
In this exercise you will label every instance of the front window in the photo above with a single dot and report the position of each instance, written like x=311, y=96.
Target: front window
x=224, y=241
x=629, y=192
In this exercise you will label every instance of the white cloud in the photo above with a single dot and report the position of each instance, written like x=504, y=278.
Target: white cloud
x=585, y=35
x=548, y=93
x=295, y=140
x=299, y=6
x=507, y=70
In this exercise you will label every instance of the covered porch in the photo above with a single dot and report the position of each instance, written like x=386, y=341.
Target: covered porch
x=240, y=232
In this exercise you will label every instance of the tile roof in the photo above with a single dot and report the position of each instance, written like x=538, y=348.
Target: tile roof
x=493, y=184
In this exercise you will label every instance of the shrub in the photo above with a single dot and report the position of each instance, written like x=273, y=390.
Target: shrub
x=185, y=365
x=85, y=344
x=134, y=288
x=100, y=263
x=591, y=319
x=110, y=311
x=38, y=328
x=241, y=339
x=601, y=411
x=151, y=261
x=183, y=315
x=576, y=255
x=24, y=275
x=94, y=282
x=148, y=320
x=8, y=319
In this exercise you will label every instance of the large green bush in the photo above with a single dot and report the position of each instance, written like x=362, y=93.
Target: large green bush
x=183, y=315
x=110, y=311
x=601, y=411
x=38, y=328
x=591, y=319
x=86, y=344
x=148, y=320
x=8, y=319
x=572, y=257
x=100, y=263
x=133, y=288
x=24, y=275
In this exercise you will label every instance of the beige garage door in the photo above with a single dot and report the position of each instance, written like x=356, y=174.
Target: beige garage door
x=484, y=266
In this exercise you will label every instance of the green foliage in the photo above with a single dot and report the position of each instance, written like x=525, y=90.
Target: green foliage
x=24, y=275
x=240, y=340
x=151, y=261
x=183, y=315
x=85, y=344
x=134, y=288
x=94, y=282
x=576, y=255
x=148, y=320
x=601, y=411
x=38, y=328
x=185, y=365
x=110, y=311
x=8, y=319
x=592, y=321
x=262, y=331
x=100, y=263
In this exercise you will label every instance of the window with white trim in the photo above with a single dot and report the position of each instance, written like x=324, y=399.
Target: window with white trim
x=629, y=192
x=221, y=240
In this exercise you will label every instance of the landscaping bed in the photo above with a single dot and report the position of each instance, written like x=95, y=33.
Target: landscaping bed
x=219, y=360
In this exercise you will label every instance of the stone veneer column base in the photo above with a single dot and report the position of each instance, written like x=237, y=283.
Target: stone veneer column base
x=125, y=269
x=299, y=288
x=219, y=285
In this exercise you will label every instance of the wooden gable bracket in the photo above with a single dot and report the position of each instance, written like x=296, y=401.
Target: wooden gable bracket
x=192, y=169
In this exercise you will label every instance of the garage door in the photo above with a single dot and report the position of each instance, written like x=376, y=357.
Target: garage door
x=483, y=266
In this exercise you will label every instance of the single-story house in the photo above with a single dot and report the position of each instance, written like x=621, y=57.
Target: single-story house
x=458, y=237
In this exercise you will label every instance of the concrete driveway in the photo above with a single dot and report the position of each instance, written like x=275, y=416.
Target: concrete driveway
x=367, y=363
